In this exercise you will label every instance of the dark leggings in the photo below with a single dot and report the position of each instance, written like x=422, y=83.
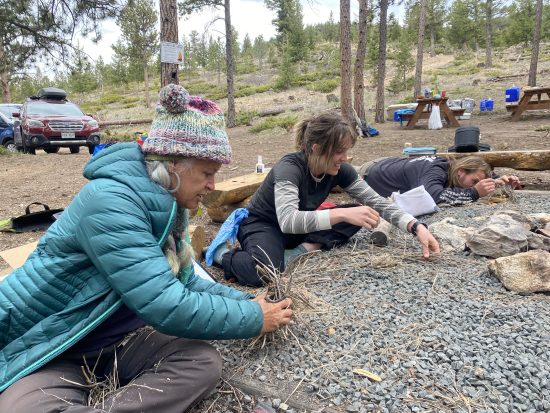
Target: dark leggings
x=264, y=241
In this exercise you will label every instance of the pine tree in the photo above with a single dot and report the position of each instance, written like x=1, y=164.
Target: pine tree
x=139, y=39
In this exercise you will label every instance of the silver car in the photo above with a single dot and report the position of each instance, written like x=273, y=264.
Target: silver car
x=9, y=108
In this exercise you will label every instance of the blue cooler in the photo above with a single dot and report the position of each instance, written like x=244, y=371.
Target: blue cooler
x=512, y=94
x=482, y=105
x=489, y=104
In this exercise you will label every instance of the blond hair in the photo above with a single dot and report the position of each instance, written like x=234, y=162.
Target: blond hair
x=469, y=164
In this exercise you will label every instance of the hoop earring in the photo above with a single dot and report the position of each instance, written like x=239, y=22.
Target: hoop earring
x=177, y=185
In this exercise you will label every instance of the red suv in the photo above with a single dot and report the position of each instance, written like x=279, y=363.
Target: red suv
x=49, y=121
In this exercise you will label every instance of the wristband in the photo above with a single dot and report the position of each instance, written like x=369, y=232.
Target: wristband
x=414, y=227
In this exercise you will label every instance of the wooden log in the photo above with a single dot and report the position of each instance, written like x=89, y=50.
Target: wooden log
x=380, y=235
x=277, y=111
x=234, y=190
x=124, y=122
x=220, y=213
x=198, y=239
x=535, y=160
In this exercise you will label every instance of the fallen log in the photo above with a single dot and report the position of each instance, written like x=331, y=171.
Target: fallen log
x=220, y=213
x=124, y=122
x=535, y=160
x=197, y=234
x=234, y=190
x=277, y=111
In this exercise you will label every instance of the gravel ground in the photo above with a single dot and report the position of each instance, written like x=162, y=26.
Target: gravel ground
x=443, y=335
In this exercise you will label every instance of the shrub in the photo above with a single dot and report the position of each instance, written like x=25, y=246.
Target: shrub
x=110, y=98
x=283, y=121
x=245, y=118
x=324, y=86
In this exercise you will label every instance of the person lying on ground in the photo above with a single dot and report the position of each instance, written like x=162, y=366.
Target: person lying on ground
x=283, y=220
x=456, y=181
x=110, y=288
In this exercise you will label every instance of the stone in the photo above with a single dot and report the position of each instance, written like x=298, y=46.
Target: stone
x=502, y=235
x=524, y=272
x=451, y=237
x=332, y=98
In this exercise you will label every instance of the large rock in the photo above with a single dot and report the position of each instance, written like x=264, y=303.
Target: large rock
x=506, y=233
x=525, y=272
x=450, y=236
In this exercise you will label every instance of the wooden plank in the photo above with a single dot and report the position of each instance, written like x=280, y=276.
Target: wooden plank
x=234, y=190
x=535, y=160
x=198, y=239
x=16, y=257
x=220, y=213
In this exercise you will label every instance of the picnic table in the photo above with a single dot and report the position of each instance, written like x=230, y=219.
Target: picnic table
x=427, y=103
x=528, y=101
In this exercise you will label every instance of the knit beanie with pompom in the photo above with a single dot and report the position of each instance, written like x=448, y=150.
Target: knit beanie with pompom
x=187, y=126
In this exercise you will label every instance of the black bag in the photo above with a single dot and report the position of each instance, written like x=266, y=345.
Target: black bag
x=35, y=221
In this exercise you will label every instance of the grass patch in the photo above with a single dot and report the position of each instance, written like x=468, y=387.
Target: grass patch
x=110, y=98
x=131, y=99
x=283, y=121
x=245, y=118
x=242, y=91
x=324, y=86
x=4, y=151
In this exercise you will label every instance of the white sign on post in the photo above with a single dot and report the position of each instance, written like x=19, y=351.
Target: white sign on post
x=171, y=53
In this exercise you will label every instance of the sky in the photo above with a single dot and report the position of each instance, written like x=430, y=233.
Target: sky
x=247, y=16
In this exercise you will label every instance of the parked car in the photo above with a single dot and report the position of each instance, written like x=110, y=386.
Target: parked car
x=50, y=121
x=6, y=133
x=8, y=109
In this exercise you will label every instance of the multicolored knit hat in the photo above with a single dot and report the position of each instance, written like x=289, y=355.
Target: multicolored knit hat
x=187, y=126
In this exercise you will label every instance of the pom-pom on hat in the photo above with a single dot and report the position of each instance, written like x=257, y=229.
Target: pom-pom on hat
x=187, y=126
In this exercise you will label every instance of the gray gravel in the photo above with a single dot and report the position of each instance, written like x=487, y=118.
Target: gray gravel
x=443, y=335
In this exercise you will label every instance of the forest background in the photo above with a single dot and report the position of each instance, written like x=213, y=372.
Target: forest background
x=470, y=31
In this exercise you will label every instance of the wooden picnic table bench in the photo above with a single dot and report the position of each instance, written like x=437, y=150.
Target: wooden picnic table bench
x=529, y=102
x=427, y=103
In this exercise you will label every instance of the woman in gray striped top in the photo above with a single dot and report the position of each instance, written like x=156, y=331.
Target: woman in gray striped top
x=284, y=220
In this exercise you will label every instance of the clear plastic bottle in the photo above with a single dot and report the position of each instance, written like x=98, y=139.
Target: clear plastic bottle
x=260, y=165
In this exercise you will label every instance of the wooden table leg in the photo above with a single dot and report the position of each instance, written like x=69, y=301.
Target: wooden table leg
x=449, y=115
x=416, y=116
x=516, y=114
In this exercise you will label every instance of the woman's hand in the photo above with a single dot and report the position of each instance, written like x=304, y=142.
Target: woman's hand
x=427, y=240
x=276, y=315
x=361, y=216
x=511, y=180
x=485, y=187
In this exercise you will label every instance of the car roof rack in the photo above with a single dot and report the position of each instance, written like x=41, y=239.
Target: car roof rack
x=51, y=93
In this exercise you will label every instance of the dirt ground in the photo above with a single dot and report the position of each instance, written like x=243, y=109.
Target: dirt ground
x=55, y=179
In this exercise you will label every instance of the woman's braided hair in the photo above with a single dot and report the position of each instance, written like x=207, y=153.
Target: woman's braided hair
x=159, y=173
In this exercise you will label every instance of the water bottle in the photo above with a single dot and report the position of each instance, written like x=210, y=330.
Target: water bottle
x=260, y=165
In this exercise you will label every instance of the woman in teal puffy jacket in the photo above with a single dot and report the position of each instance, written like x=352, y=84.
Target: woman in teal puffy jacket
x=110, y=287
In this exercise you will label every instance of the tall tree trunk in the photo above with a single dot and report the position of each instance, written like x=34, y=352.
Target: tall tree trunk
x=379, y=111
x=358, y=80
x=146, y=81
x=420, y=49
x=4, y=79
x=489, y=33
x=535, y=49
x=432, y=39
x=5, y=84
x=168, y=33
x=231, y=117
x=345, y=61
